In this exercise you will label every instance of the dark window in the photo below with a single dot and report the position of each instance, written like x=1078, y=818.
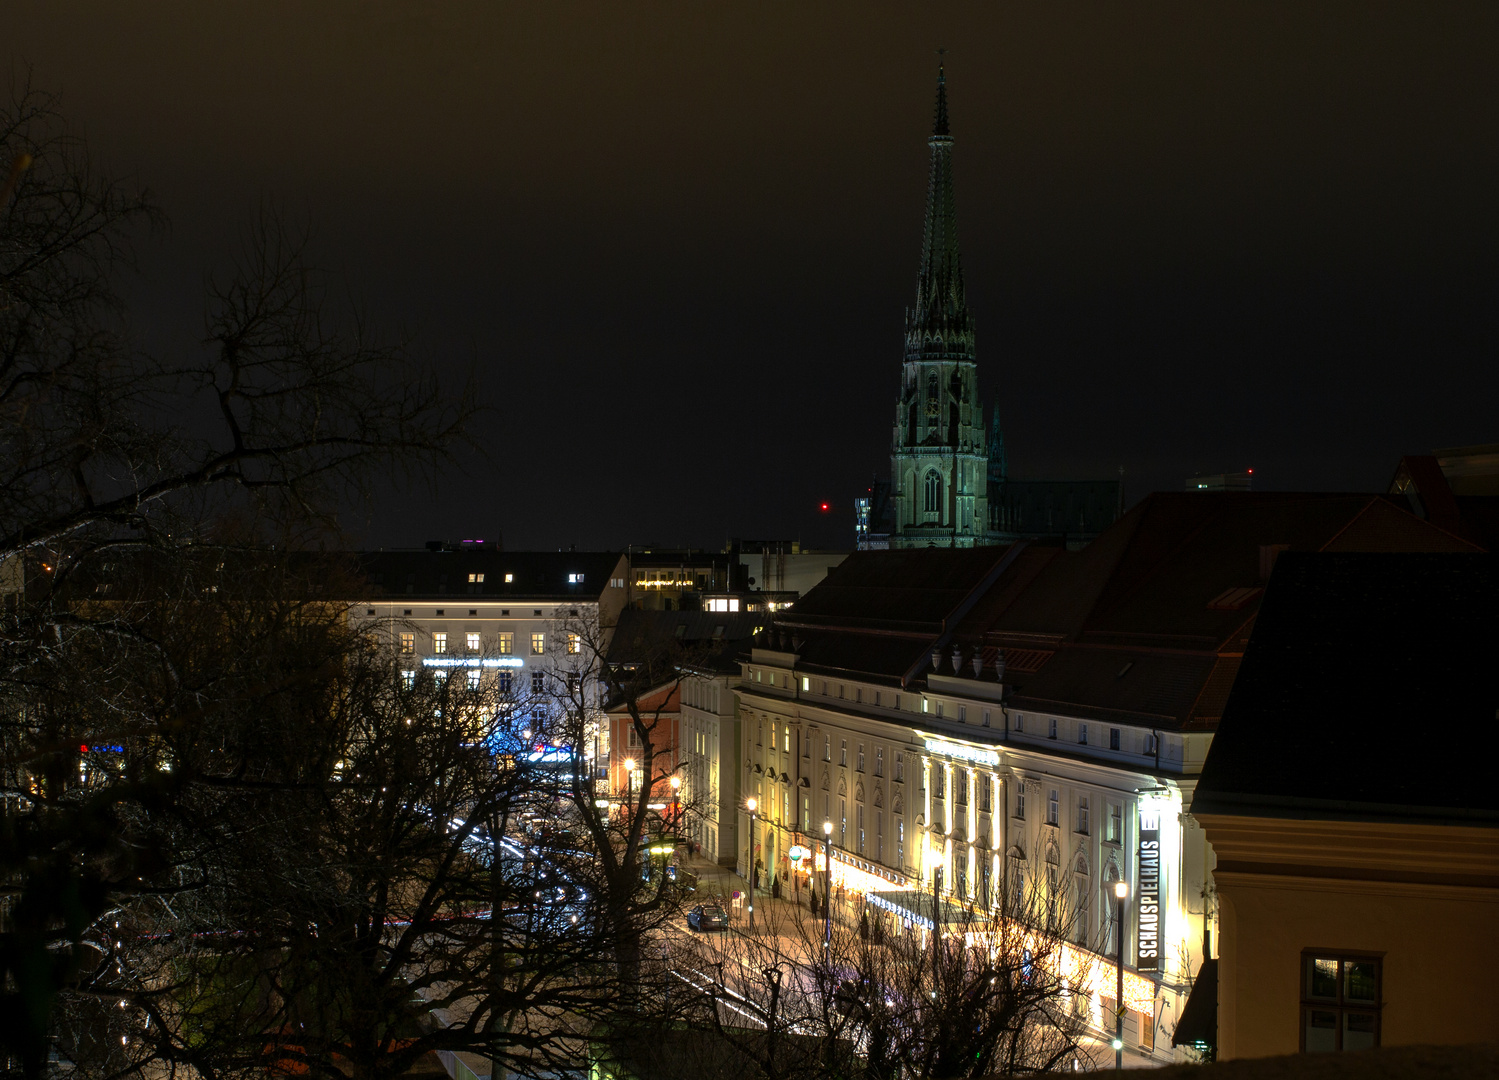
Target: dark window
x=1113, y=738
x=932, y=502
x=1340, y=999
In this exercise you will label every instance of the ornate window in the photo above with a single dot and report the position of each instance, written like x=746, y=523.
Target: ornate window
x=1082, y=889
x=933, y=492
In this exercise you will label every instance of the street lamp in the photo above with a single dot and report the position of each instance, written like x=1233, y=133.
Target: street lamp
x=1121, y=893
x=827, y=883
x=751, y=806
x=630, y=780
x=676, y=805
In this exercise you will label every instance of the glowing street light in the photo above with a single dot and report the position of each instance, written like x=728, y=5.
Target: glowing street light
x=1121, y=894
x=828, y=884
x=752, y=806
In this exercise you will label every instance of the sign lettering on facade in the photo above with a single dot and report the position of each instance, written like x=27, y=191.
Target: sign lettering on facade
x=1148, y=906
x=975, y=754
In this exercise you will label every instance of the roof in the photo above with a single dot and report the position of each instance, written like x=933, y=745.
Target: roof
x=1355, y=661
x=913, y=590
x=532, y=575
x=1146, y=625
x=704, y=640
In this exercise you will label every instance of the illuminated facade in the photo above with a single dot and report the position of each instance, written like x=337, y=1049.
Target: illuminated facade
x=1036, y=715
x=939, y=463
x=475, y=612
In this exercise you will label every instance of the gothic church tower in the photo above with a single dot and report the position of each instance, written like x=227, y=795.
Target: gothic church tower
x=939, y=455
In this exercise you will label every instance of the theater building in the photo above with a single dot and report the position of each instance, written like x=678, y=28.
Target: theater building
x=1036, y=715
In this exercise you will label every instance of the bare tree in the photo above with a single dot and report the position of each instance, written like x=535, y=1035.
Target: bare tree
x=129, y=485
x=920, y=987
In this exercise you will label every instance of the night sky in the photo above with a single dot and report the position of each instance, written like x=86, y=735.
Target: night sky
x=677, y=240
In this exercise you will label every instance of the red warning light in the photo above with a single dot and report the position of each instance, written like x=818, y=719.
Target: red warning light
x=824, y=507
x=1251, y=472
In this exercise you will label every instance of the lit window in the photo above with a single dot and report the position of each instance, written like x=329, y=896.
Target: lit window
x=509, y=578
x=507, y=643
x=473, y=678
x=1340, y=997
x=574, y=644
x=806, y=684
x=476, y=579
x=439, y=643
x=471, y=642
x=575, y=579
x=408, y=643
x=538, y=644
x=408, y=679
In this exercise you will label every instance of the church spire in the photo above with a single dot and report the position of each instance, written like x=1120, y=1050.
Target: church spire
x=939, y=323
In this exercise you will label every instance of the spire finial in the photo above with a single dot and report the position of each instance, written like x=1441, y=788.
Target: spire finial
x=939, y=126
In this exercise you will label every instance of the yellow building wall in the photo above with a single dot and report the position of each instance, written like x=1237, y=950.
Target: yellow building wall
x=1440, y=948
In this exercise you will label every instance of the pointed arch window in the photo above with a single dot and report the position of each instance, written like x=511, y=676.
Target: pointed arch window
x=933, y=492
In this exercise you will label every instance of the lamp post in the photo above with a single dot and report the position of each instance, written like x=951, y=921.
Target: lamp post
x=752, y=806
x=827, y=884
x=1121, y=893
x=676, y=805
x=630, y=779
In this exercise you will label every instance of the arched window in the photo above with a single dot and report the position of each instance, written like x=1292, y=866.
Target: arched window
x=1082, y=890
x=1109, y=910
x=1053, y=885
x=933, y=503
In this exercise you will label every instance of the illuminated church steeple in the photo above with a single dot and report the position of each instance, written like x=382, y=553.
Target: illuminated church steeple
x=939, y=451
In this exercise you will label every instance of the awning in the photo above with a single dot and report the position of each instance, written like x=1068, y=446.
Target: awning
x=918, y=908
x=1198, y=1026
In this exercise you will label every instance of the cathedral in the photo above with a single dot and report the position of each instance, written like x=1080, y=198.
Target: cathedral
x=949, y=485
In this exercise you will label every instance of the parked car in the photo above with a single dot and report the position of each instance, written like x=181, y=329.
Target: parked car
x=708, y=917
